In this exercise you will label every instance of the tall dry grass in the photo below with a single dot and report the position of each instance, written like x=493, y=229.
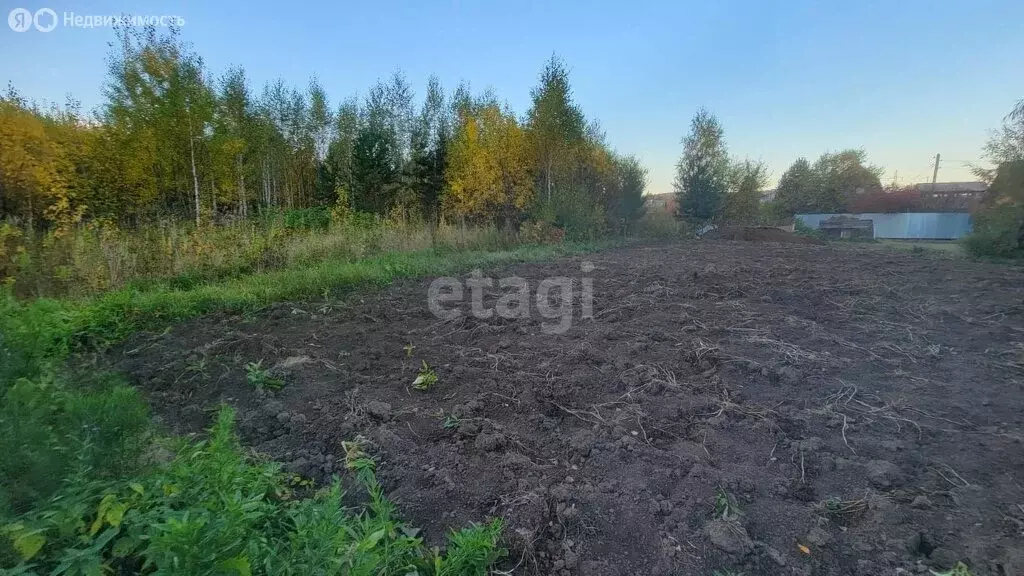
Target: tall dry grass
x=98, y=257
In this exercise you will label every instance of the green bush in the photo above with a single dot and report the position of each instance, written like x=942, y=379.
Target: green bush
x=661, y=224
x=801, y=229
x=50, y=434
x=998, y=233
x=212, y=510
x=315, y=218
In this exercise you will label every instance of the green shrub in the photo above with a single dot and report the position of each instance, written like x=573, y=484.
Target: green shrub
x=540, y=232
x=315, y=218
x=211, y=510
x=998, y=233
x=50, y=433
x=12, y=252
x=801, y=229
x=661, y=224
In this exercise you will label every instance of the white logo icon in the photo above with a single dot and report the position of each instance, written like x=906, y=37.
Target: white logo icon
x=45, y=19
x=20, y=19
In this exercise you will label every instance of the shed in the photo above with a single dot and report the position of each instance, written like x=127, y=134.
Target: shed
x=905, y=225
x=844, y=226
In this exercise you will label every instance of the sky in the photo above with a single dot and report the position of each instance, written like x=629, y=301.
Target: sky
x=902, y=79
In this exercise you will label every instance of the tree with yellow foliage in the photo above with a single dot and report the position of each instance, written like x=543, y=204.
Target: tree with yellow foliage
x=32, y=166
x=488, y=175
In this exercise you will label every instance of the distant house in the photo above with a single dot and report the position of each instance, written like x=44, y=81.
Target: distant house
x=660, y=203
x=952, y=196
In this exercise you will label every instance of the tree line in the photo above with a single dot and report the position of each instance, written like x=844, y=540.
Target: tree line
x=709, y=185
x=172, y=140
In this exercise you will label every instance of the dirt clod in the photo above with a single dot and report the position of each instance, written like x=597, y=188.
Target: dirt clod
x=729, y=536
x=489, y=442
x=378, y=410
x=818, y=537
x=883, y=474
x=921, y=502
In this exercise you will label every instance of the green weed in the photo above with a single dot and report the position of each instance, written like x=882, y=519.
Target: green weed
x=426, y=378
x=725, y=505
x=801, y=229
x=260, y=378
x=211, y=510
x=51, y=434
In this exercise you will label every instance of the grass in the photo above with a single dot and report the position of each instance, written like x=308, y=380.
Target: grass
x=947, y=247
x=93, y=258
x=81, y=491
x=47, y=328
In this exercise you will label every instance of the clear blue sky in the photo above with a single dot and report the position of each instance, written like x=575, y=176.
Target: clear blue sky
x=903, y=79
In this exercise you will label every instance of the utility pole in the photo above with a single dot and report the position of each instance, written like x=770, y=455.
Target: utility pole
x=935, y=173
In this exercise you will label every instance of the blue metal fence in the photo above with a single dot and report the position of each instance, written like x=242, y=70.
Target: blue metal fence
x=907, y=225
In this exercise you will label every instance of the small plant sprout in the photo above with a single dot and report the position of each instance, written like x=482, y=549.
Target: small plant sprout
x=408, y=349
x=725, y=505
x=260, y=378
x=426, y=378
x=355, y=450
x=196, y=366
x=451, y=422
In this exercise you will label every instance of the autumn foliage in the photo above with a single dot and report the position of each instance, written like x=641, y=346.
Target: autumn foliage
x=488, y=173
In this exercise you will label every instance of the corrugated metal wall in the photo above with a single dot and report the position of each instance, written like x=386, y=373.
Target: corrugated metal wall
x=907, y=225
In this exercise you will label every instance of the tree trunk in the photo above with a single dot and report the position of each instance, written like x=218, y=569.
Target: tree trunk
x=243, y=202
x=195, y=175
x=548, y=176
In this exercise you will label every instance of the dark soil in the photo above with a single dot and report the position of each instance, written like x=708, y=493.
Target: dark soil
x=758, y=234
x=860, y=410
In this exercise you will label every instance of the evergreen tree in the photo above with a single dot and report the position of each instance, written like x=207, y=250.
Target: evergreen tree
x=631, y=182
x=375, y=158
x=703, y=170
